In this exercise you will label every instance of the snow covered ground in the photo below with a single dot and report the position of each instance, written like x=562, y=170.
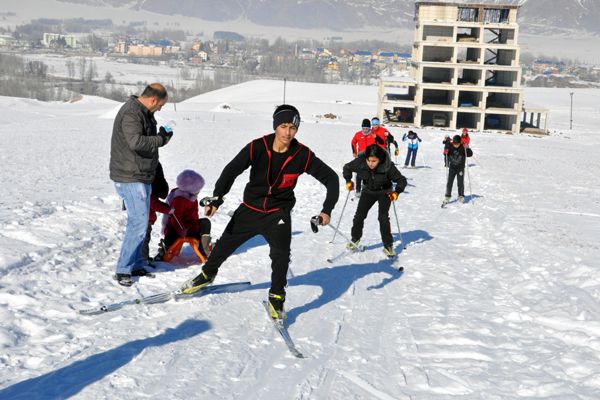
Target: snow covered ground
x=499, y=298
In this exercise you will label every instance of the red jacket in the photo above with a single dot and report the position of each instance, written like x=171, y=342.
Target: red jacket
x=186, y=213
x=381, y=136
x=360, y=142
x=156, y=205
x=465, y=139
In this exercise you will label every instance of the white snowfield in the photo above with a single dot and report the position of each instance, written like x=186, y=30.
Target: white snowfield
x=500, y=297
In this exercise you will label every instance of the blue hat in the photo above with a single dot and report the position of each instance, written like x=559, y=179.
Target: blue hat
x=375, y=121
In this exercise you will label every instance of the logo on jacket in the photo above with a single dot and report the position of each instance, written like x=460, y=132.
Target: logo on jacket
x=288, y=180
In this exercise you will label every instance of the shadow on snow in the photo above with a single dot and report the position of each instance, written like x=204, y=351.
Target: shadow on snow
x=70, y=380
x=335, y=281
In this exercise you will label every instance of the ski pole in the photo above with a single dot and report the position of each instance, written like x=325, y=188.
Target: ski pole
x=469, y=178
x=477, y=161
x=341, y=214
x=422, y=158
x=316, y=221
x=398, y=225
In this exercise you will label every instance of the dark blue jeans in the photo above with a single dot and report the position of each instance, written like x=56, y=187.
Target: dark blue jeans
x=411, y=153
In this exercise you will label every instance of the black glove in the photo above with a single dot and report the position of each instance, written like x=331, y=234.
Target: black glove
x=214, y=201
x=165, y=135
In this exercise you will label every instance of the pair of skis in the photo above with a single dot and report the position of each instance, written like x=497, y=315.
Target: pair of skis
x=166, y=296
x=445, y=202
x=351, y=247
x=178, y=294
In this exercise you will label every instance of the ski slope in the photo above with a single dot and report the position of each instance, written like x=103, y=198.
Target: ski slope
x=499, y=299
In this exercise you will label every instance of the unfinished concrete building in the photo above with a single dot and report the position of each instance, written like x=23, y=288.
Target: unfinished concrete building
x=465, y=73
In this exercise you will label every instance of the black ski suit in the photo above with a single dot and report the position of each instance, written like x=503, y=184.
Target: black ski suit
x=376, y=183
x=456, y=157
x=268, y=201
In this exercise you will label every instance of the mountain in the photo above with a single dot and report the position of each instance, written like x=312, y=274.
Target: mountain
x=535, y=16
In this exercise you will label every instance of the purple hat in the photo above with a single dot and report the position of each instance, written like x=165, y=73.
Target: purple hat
x=190, y=181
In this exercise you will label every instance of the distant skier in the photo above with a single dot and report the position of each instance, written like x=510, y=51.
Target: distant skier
x=385, y=137
x=378, y=173
x=276, y=161
x=413, y=147
x=183, y=220
x=446, y=142
x=465, y=139
x=457, y=158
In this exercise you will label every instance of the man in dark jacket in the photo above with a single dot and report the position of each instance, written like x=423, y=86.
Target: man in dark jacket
x=377, y=173
x=133, y=160
x=456, y=157
x=276, y=161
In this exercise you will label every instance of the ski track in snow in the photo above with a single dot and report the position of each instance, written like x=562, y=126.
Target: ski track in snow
x=498, y=299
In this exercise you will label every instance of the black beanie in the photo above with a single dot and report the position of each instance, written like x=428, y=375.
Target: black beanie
x=366, y=123
x=456, y=139
x=286, y=113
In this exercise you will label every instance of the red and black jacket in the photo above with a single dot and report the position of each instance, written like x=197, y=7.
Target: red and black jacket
x=271, y=188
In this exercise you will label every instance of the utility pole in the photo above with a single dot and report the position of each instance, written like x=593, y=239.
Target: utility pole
x=174, y=98
x=284, y=83
x=571, y=123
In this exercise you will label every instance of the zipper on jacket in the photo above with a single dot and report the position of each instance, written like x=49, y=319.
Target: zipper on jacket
x=269, y=171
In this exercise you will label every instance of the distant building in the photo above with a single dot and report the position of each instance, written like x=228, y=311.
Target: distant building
x=121, y=47
x=467, y=71
x=141, y=50
x=196, y=46
x=203, y=55
x=6, y=40
x=52, y=39
x=362, y=56
x=306, y=54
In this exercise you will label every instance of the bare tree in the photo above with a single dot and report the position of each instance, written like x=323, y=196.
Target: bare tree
x=82, y=68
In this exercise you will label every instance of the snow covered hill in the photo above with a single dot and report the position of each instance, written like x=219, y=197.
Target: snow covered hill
x=499, y=298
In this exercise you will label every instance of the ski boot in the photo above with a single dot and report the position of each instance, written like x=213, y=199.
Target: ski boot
x=276, y=306
x=461, y=199
x=389, y=251
x=123, y=279
x=445, y=201
x=193, y=285
x=354, y=245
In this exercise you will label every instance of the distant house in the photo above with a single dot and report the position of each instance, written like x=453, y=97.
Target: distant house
x=52, y=39
x=6, y=40
x=121, y=47
x=548, y=67
x=387, y=57
x=203, y=55
x=141, y=50
x=196, y=46
x=306, y=54
x=362, y=56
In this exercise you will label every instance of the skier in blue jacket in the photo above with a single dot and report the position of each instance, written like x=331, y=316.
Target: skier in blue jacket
x=413, y=146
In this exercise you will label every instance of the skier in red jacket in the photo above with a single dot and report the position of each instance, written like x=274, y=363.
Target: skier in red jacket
x=384, y=137
x=465, y=139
